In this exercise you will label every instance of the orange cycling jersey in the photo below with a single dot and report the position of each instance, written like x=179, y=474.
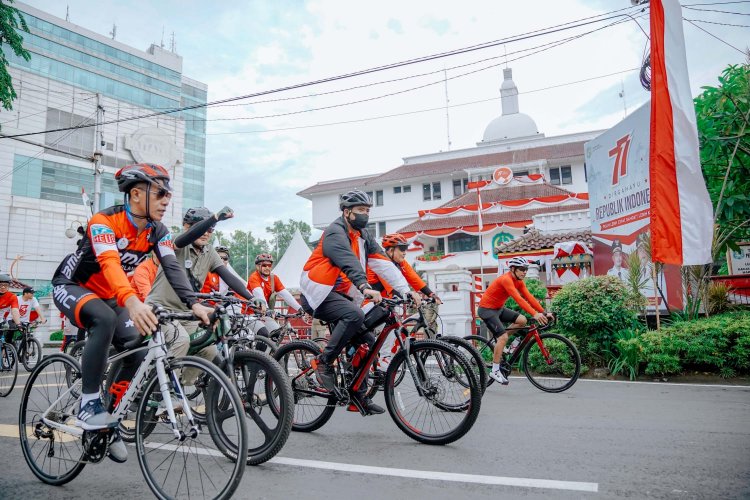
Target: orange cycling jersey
x=407, y=271
x=8, y=301
x=211, y=284
x=508, y=286
x=110, y=249
x=257, y=281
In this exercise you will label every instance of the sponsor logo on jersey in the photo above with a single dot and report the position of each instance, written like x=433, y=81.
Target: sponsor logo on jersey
x=103, y=238
x=130, y=261
x=165, y=245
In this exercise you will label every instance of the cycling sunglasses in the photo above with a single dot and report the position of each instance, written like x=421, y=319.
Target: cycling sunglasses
x=159, y=193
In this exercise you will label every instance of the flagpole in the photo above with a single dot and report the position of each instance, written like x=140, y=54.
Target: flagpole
x=481, y=245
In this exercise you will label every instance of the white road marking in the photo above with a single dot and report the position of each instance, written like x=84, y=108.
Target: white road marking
x=441, y=476
x=679, y=384
x=409, y=473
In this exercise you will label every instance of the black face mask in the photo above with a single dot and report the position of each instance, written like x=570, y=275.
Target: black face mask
x=360, y=221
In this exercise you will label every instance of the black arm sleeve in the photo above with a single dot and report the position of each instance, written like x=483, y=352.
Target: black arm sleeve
x=233, y=281
x=426, y=290
x=196, y=231
x=337, y=247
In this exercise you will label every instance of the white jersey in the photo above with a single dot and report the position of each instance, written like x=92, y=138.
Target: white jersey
x=26, y=306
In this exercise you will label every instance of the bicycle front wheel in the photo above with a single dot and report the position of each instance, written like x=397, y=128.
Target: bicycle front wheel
x=430, y=403
x=32, y=353
x=8, y=368
x=553, y=365
x=182, y=459
x=54, y=456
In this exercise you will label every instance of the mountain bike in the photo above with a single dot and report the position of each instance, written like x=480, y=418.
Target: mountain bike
x=430, y=389
x=28, y=347
x=287, y=333
x=179, y=455
x=8, y=367
x=550, y=361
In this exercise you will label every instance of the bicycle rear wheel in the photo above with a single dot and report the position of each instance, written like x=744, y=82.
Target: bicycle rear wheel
x=427, y=405
x=472, y=355
x=313, y=405
x=262, y=384
x=192, y=465
x=55, y=457
x=555, y=370
x=32, y=353
x=8, y=368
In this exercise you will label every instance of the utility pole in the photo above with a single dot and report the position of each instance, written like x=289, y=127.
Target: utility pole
x=97, y=156
x=447, y=111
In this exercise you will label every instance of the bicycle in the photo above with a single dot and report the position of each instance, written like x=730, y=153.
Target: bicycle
x=550, y=361
x=8, y=367
x=437, y=403
x=286, y=333
x=27, y=346
x=169, y=438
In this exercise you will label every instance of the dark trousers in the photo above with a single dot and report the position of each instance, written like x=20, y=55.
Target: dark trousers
x=344, y=314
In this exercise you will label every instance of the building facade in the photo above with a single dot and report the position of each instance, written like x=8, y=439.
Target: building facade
x=76, y=78
x=428, y=196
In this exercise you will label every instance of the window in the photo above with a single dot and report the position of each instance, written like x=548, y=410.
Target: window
x=460, y=242
x=379, y=198
x=407, y=189
x=381, y=229
x=560, y=175
x=441, y=245
x=460, y=186
x=396, y=189
x=585, y=173
x=521, y=173
x=431, y=191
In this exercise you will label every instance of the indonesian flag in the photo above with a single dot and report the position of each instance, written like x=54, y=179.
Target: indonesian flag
x=479, y=210
x=681, y=210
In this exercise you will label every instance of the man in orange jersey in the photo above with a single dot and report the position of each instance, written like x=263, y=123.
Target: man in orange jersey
x=336, y=272
x=492, y=311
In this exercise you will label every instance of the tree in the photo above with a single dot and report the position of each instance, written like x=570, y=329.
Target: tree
x=10, y=21
x=724, y=132
x=282, y=234
x=243, y=247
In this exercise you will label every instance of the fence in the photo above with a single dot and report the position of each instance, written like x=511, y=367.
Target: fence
x=739, y=287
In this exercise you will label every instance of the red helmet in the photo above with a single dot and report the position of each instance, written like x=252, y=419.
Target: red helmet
x=394, y=240
x=264, y=257
x=130, y=175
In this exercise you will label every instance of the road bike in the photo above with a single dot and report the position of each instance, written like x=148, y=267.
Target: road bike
x=8, y=367
x=430, y=389
x=28, y=347
x=180, y=455
x=549, y=360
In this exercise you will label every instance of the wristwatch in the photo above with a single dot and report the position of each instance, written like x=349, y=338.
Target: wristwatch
x=364, y=286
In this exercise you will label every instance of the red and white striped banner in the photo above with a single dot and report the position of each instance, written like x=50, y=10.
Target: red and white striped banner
x=681, y=210
x=478, y=288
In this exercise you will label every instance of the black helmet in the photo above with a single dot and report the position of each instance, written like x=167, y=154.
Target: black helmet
x=223, y=249
x=197, y=214
x=263, y=257
x=355, y=198
x=130, y=175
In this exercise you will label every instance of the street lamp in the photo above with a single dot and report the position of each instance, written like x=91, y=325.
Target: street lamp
x=72, y=231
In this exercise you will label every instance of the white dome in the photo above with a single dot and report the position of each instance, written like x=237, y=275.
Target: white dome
x=510, y=127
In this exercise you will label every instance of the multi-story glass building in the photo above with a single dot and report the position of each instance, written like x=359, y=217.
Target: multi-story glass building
x=73, y=72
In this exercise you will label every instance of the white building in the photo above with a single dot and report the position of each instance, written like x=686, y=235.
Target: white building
x=72, y=71
x=549, y=178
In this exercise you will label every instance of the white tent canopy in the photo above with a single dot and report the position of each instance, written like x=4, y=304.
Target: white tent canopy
x=289, y=268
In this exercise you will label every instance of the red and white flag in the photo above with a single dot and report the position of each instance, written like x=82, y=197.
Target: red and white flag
x=681, y=210
x=479, y=210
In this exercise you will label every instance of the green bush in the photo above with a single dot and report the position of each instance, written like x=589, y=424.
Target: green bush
x=627, y=356
x=592, y=310
x=537, y=289
x=719, y=344
x=55, y=336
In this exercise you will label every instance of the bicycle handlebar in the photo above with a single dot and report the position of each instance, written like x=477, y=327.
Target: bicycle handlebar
x=165, y=316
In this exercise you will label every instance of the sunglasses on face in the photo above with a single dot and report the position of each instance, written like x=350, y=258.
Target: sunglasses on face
x=225, y=259
x=266, y=265
x=523, y=269
x=402, y=247
x=160, y=193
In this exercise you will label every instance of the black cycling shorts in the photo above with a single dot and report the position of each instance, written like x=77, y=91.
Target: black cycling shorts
x=494, y=319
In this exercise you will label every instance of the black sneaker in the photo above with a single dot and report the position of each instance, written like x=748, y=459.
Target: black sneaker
x=93, y=416
x=372, y=408
x=326, y=375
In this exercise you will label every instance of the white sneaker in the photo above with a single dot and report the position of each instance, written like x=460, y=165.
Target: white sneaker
x=498, y=376
x=117, y=451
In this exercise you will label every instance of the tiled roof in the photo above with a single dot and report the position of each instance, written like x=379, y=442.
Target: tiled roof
x=550, y=152
x=493, y=218
x=535, y=240
x=337, y=185
x=507, y=193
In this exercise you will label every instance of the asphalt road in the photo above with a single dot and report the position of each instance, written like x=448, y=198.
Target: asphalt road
x=604, y=439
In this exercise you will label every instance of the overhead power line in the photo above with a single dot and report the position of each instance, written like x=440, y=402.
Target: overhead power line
x=714, y=22
x=714, y=36
x=512, y=39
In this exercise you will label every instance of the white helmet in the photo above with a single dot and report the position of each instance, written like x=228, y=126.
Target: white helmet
x=518, y=262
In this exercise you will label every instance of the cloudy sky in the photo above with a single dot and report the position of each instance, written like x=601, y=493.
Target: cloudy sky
x=259, y=154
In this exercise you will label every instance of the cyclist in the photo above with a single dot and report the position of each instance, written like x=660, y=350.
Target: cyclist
x=263, y=284
x=197, y=258
x=395, y=246
x=492, y=311
x=91, y=286
x=28, y=303
x=8, y=306
x=335, y=274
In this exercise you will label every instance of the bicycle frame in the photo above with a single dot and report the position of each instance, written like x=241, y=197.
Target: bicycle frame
x=531, y=335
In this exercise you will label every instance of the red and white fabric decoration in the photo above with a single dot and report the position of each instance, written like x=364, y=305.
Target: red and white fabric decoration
x=681, y=210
